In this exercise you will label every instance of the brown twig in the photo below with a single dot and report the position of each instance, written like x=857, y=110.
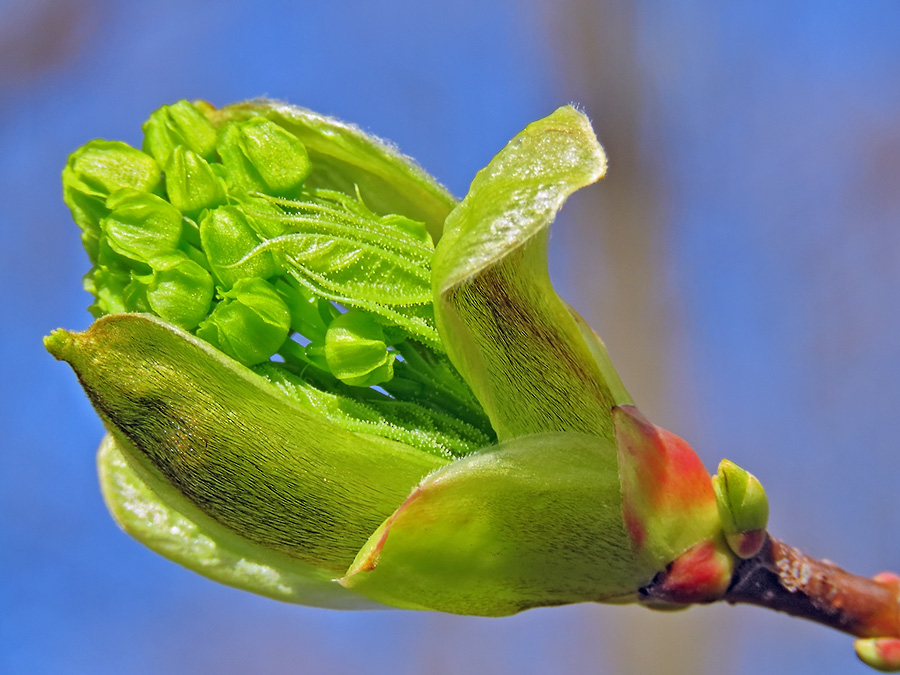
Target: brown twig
x=782, y=578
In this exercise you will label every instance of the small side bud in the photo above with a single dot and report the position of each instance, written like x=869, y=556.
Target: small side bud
x=882, y=654
x=743, y=508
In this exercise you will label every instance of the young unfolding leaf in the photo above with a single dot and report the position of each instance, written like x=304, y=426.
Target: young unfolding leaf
x=333, y=246
x=505, y=329
x=347, y=160
x=413, y=422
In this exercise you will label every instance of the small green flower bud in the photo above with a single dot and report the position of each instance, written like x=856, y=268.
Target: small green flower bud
x=191, y=183
x=882, y=654
x=743, y=508
x=96, y=170
x=309, y=313
x=250, y=323
x=178, y=290
x=141, y=226
x=263, y=157
x=227, y=238
x=108, y=258
x=178, y=124
x=356, y=352
x=108, y=288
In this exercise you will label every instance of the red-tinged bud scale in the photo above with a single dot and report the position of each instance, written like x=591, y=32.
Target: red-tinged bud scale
x=668, y=500
x=699, y=575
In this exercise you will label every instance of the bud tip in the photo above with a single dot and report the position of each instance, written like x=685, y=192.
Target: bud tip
x=58, y=343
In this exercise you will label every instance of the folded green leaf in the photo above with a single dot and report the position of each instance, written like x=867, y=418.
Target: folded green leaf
x=414, y=422
x=339, y=250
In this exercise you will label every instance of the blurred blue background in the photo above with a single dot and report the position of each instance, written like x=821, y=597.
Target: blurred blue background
x=742, y=262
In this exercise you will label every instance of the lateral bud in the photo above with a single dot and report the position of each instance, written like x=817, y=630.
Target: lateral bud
x=882, y=654
x=743, y=508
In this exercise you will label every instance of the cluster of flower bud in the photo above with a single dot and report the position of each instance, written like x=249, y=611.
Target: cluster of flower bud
x=213, y=227
x=167, y=227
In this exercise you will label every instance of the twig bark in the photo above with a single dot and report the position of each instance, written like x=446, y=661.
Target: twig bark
x=782, y=578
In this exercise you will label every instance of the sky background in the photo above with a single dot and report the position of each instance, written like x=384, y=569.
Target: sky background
x=742, y=261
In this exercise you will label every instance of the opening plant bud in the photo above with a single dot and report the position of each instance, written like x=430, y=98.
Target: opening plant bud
x=326, y=380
